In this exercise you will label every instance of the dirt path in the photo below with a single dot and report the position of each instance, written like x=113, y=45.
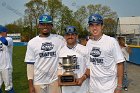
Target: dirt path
x=134, y=78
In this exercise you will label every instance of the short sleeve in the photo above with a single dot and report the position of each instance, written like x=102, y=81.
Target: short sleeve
x=117, y=52
x=30, y=56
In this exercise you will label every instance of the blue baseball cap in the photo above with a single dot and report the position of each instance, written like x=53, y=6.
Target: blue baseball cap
x=45, y=19
x=70, y=29
x=3, y=29
x=95, y=18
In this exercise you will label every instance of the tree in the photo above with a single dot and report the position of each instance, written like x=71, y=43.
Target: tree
x=110, y=27
x=34, y=9
x=110, y=17
x=13, y=28
x=81, y=15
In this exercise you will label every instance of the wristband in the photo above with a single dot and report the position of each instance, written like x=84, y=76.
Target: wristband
x=119, y=87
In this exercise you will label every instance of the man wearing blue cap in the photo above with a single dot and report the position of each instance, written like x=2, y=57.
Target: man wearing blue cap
x=6, y=49
x=42, y=58
x=72, y=48
x=106, y=59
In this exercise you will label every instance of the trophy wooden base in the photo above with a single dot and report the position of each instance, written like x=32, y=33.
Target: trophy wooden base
x=67, y=80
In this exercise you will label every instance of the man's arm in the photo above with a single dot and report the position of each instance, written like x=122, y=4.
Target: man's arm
x=84, y=77
x=30, y=76
x=120, y=71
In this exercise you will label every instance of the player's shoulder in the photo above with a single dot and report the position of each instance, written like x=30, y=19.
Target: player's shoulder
x=64, y=48
x=109, y=38
x=81, y=46
x=89, y=42
x=58, y=37
x=33, y=40
x=83, y=49
x=9, y=38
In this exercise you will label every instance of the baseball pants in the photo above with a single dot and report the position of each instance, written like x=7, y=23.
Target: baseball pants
x=6, y=77
x=48, y=88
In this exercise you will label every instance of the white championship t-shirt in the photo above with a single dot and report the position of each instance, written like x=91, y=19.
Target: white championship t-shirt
x=104, y=55
x=81, y=53
x=43, y=52
x=6, y=54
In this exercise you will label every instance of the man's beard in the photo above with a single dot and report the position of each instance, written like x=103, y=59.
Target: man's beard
x=46, y=34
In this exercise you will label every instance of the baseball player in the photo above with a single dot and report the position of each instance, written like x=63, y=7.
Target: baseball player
x=106, y=59
x=73, y=48
x=42, y=58
x=6, y=49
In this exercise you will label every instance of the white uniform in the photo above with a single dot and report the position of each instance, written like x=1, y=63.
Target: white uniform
x=82, y=59
x=104, y=55
x=43, y=52
x=6, y=63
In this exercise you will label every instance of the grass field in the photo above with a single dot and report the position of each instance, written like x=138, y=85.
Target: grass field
x=19, y=70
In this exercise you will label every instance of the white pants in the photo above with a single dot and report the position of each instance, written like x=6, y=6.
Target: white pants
x=6, y=77
x=47, y=88
x=84, y=88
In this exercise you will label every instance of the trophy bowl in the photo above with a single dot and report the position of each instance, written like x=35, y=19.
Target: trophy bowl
x=68, y=78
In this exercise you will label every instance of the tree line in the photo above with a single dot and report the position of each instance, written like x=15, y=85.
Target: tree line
x=62, y=16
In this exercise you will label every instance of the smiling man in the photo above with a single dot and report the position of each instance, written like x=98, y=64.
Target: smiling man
x=72, y=48
x=106, y=59
x=42, y=58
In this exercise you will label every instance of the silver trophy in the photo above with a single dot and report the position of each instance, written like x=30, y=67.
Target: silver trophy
x=69, y=64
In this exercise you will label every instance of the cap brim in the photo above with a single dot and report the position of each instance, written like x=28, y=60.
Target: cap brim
x=90, y=23
x=70, y=33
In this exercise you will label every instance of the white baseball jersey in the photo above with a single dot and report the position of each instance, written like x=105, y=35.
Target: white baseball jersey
x=43, y=52
x=6, y=54
x=104, y=55
x=81, y=53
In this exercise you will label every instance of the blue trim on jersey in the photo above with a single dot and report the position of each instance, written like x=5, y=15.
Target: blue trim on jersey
x=30, y=62
x=4, y=41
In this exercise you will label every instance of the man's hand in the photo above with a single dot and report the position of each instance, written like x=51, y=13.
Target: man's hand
x=118, y=89
x=31, y=89
x=31, y=86
x=79, y=81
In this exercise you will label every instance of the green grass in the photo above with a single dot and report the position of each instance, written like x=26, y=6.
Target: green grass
x=19, y=70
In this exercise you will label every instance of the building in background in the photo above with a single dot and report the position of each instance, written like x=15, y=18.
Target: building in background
x=16, y=37
x=130, y=28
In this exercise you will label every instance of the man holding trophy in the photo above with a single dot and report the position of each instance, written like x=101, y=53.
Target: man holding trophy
x=74, y=66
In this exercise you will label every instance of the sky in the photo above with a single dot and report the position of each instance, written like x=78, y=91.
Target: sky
x=11, y=10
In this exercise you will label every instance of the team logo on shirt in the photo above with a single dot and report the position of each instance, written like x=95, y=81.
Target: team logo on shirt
x=95, y=59
x=47, y=46
x=95, y=52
